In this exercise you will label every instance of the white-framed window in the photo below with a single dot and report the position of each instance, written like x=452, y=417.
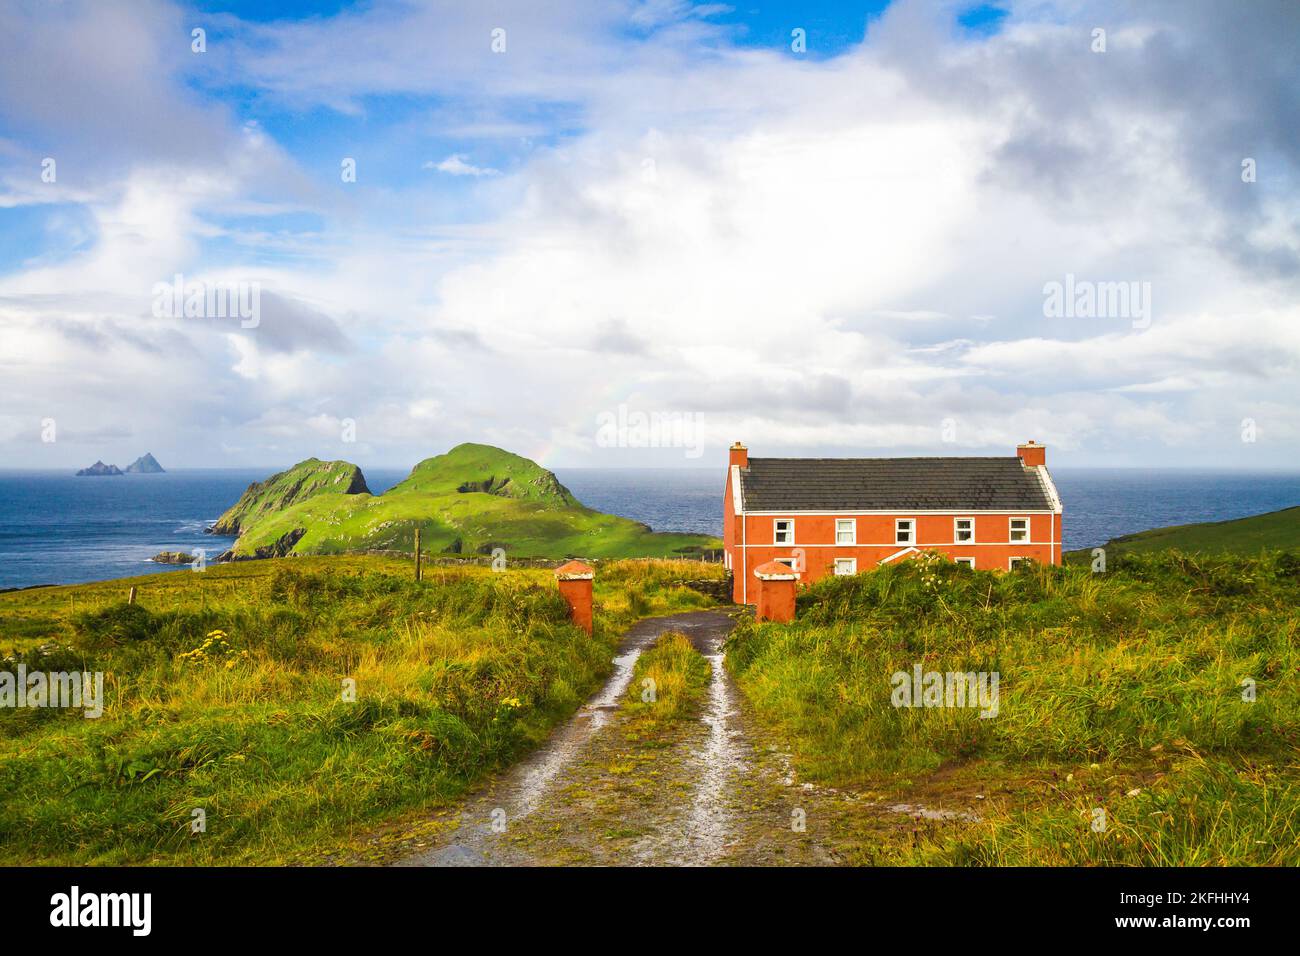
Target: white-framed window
x=1013, y=563
x=905, y=531
x=788, y=562
x=783, y=531
x=1019, y=530
x=966, y=562
x=846, y=565
x=846, y=531
x=963, y=530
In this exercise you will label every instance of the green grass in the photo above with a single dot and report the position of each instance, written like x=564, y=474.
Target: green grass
x=1276, y=530
x=471, y=500
x=1202, y=812
x=304, y=480
x=668, y=685
x=456, y=677
x=1131, y=676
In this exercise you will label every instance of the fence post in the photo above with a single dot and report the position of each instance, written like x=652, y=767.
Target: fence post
x=130, y=597
x=419, y=571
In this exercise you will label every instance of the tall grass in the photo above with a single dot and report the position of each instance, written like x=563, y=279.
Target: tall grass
x=1094, y=670
x=1204, y=812
x=226, y=693
x=668, y=684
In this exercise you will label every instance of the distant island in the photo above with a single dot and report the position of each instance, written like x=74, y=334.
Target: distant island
x=99, y=469
x=146, y=464
x=472, y=500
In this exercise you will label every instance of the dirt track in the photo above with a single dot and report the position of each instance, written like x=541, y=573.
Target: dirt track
x=712, y=791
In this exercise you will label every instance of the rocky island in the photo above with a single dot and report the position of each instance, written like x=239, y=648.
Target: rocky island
x=99, y=469
x=471, y=500
x=172, y=557
x=146, y=464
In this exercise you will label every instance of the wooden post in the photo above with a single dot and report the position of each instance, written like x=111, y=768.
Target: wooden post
x=130, y=598
x=419, y=571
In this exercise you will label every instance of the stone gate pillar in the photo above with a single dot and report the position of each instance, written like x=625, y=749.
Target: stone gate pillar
x=575, y=581
x=776, y=585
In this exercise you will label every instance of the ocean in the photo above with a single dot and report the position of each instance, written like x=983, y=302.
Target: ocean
x=59, y=529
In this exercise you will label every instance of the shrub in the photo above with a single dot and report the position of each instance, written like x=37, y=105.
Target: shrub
x=114, y=626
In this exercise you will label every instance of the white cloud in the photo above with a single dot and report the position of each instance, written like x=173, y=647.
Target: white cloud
x=456, y=165
x=833, y=255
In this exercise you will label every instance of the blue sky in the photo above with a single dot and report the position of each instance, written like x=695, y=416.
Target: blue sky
x=657, y=206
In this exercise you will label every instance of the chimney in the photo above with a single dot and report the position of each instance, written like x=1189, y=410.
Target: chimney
x=739, y=456
x=1032, y=454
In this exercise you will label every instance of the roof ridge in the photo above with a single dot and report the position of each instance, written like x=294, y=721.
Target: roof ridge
x=914, y=483
x=904, y=458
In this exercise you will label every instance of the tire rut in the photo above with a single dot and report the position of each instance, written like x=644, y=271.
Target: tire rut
x=563, y=802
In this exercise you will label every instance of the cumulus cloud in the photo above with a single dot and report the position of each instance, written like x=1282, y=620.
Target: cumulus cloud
x=834, y=255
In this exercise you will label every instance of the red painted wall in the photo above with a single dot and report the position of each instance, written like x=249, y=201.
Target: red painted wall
x=815, y=535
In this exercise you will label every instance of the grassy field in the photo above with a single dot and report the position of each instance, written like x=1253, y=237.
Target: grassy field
x=1120, y=693
x=1276, y=530
x=225, y=693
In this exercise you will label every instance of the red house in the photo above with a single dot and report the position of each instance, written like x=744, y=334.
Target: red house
x=845, y=515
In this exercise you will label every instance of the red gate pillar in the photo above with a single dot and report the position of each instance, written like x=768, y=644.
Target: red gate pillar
x=575, y=579
x=776, y=584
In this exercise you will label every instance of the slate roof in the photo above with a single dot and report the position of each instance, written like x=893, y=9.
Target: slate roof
x=892, y=484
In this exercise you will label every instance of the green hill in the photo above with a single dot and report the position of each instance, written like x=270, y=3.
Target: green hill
x=483, y=468
x=468, y=501
x=302, y=481
x=1273, y=531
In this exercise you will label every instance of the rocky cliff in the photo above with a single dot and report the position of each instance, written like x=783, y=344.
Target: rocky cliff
x=301, y=482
